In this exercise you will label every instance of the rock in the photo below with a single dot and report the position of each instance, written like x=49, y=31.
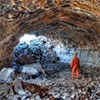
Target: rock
x=37, y=51
x=4, y=89
x=7, y=74
x=56, y=85
x=98, y=93
x=81, y=12
x=31, y=69
x=16, y=97
x=73, y=96
x=35, y=65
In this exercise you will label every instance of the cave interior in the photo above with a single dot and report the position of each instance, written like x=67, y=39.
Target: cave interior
x=38, y=39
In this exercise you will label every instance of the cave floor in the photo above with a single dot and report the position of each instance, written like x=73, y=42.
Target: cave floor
x=60, y=85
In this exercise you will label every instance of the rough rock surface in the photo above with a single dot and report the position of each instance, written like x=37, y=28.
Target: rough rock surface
x=58, y=86
x=7, y=74
x=39, y=50
x=30, y=70
x=52, y=55
x=75, y=23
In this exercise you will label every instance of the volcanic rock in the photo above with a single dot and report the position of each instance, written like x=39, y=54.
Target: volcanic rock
x=7, y=74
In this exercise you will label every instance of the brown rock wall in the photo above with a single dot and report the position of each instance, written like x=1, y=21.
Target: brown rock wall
x=74, y=22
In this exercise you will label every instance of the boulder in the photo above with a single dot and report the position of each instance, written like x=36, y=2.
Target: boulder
x=32, y=69
x=38, y=51
x=7, y=74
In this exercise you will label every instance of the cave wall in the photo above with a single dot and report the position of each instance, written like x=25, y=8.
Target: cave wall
x=88, y=58
x=75, y=23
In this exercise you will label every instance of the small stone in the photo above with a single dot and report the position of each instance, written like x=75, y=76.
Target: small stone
x=7, y=74
x=73, y=96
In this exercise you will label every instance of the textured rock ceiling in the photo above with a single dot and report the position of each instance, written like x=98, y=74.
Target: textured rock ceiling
x=73, y=22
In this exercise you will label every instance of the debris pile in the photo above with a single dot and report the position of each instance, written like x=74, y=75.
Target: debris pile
x=58, y=86
x=39, y=50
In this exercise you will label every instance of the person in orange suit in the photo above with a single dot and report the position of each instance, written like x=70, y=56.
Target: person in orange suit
x=75, y=66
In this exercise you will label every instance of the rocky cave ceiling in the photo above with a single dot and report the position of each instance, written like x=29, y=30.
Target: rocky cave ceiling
x=73, y=22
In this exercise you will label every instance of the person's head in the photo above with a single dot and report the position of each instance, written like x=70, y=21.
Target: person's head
x=75, y=54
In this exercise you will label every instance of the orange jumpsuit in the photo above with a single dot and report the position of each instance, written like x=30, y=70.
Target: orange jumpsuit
x=75, y=65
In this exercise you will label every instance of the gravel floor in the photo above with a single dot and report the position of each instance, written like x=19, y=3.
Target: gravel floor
x=60, y=87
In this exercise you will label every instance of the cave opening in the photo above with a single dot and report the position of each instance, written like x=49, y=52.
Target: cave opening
x=49, y=53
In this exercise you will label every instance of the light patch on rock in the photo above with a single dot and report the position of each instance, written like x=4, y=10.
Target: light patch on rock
x=32, y=69
x=6, y=73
